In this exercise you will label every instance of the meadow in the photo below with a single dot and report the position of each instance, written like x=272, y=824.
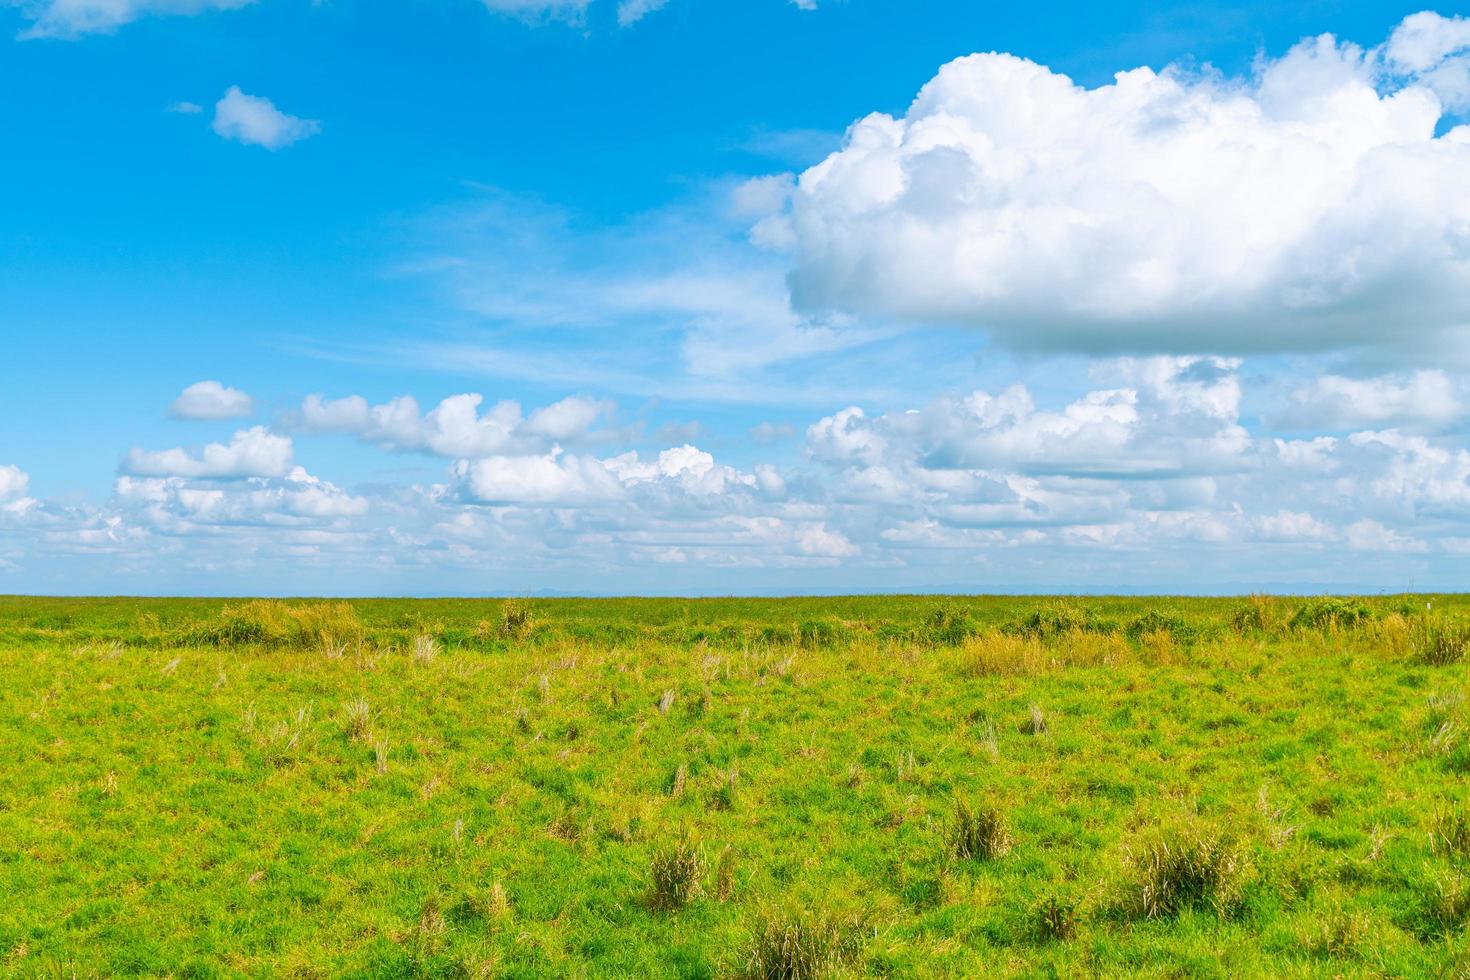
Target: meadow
x=890, y=786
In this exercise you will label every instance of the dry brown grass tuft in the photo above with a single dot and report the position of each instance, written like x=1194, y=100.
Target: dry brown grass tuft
x=725, y=874
x=1260, y=614
x=1158, y=649
x=723, y=796
x=358, y=715
x=803, y=945
x=1189, y=866
x=1439, y=643
x=517, y=620
x=269, y=622
x=1000, y=653
x=978, y=835
x=1449, y=832
x=676, y=875
x=425, y=649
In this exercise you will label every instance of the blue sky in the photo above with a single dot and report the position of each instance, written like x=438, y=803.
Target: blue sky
x=718, y=297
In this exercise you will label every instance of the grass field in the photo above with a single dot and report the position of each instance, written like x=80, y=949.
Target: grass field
x=900, y=786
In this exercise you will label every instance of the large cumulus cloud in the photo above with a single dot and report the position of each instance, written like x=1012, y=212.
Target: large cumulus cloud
x=1321, y=203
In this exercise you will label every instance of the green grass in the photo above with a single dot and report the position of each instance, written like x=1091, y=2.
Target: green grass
x=901, y=786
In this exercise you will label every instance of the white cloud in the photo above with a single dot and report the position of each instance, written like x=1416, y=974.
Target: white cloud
x=765, y=200
x=574, y=11
x=349, y=414
x=1299, y=209
x=1367, y=535
x=1160, y=460
x=1310, y=455
x=1425, y=398
x=254, y=452
x=210, y=400
x=176, y=504
x=1424, y=40
x=1011, y=487
x=1436, y=50
x=689, y=468
x=186, y=108
x=845, y=437
x=553, y=479
x=569, y=10
x=760, y=196
x=455, y=427
x=769, y=480
x=13, y=482
x=807, y=539
x=562, y=479
x=632, y=11
x=570, y=418
x=1177, y=418
x=1286, y=525
x=1411, y=475
x=256, y=121
x=70, y=19
x=818, y=539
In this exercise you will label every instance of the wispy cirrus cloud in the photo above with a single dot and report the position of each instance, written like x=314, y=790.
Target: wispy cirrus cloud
x=71, y=19
x=671, y=304
x=629, y=12
x=632, y=11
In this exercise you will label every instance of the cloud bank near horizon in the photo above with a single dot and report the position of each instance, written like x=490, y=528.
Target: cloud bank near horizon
x=1155, y=461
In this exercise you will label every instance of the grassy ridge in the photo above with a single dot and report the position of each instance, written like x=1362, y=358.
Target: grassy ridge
x=909, y=786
